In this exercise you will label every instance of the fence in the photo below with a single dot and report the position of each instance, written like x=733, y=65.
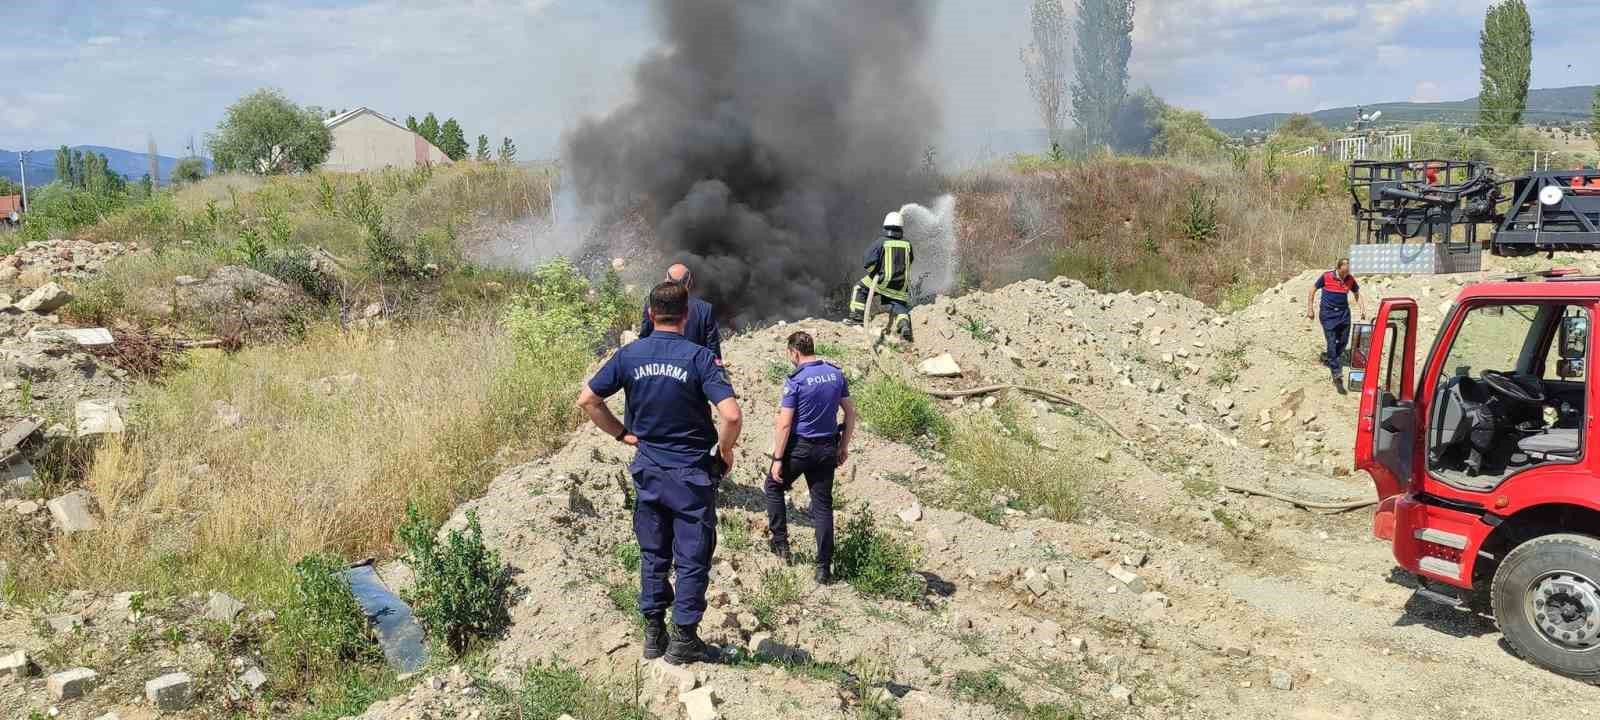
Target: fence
x=1362, y=147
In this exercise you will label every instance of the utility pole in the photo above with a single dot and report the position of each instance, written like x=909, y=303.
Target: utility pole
x=22, y=166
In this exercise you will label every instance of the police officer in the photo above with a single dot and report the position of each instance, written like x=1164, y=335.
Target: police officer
x=808, y=440
x=1335, y=285
x=888, y=265
x=701, y=325
x=670, y=384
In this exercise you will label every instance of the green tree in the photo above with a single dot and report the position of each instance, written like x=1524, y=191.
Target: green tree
x=9, y=188
x=1045, y=63
x=1105, y=41
x=429, y=129
x=508, y=150
x=1298, y=131
x=451, y=140
x=1187, y=134
x=68, y=162
x=1505, y=48
x=189, y=170
x=264, y=133
x=411, y=123
x=483, y=147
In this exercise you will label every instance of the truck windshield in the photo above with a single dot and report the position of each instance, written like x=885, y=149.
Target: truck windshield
x=1491, y=338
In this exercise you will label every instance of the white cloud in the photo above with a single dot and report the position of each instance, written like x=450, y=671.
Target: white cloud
x=1297, y=83
x=1426, y=91
x=103, y=40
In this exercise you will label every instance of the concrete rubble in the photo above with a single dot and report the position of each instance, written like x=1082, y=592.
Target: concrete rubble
x=71, y=684
x=169, y=692
x=73, y=514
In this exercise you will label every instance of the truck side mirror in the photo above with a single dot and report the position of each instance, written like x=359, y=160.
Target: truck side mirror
x=1569, y=369
x=1574, y=337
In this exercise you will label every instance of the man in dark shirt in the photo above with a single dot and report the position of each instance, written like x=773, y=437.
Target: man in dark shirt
x=1337, y=286
x=670, y=384
x=808, y=440
x=701, y=325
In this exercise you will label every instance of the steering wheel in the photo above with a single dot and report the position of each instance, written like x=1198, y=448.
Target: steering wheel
x=1514, y=387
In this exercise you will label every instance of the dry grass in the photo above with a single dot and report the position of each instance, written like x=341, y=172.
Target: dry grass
x=321, y=463
x=1200, y=228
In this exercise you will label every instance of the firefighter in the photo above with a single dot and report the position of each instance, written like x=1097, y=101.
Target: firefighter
x=888, y=265
x=701, y=325
x=670, y=384
x=1337, y=286
x=808, y=440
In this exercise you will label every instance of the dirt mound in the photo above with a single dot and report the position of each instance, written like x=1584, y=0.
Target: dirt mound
x=1165, y=597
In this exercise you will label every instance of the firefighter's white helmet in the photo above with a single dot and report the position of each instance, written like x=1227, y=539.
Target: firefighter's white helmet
x=892, y=220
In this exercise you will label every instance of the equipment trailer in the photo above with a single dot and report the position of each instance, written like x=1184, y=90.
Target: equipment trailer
x=1488, y=491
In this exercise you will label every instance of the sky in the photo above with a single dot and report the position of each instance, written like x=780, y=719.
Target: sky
x=116, y=72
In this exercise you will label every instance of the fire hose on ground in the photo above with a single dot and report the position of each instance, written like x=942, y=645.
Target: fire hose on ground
x=1317, y=505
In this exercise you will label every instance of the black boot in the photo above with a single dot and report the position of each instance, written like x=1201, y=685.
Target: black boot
x=780, y=549
x=655, y=636
x=686, y=647
x=824, y=576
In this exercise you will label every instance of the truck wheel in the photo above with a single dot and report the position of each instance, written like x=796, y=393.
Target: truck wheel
x=1546, y=596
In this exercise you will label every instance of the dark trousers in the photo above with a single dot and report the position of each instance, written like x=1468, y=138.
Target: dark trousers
x=675, y=521
x=816, y=459
x=1337, y=337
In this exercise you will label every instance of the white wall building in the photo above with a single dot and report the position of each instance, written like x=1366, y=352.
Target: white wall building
x=366, y=140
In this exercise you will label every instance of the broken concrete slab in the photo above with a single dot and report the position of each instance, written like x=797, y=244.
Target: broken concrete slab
x=86, y=337
x=169, y=692
x=47, y=299
x=1038, y=585
x=71, y=684
x=1057, y=575
x=1282, y=680
x=679, y=676
x=222, y=607
x=940, y=366
x=64, y=624
x=19, y=431
x=72, y=513
x=700, y=704
x=16, y=664
x=1126, y=577
x=98, y=417
x=911, y=514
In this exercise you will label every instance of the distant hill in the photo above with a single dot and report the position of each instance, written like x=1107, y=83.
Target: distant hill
x=1548, y=105
x=127, y=163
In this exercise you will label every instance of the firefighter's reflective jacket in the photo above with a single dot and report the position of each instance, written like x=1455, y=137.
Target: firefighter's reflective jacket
x=888, y=264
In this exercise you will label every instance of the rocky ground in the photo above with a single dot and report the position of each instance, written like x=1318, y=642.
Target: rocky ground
x=1165, y=597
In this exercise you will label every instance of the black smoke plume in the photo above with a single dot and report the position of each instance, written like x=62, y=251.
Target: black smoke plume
x=765, y=141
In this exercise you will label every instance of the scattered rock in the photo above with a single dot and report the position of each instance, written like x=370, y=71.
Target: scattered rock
x=1038, y=585
x=1282, y=680
x=373, y=310
x=169, y=692
x=1237, y=651
x=186, y=280
x=1120, y=694
x=1103, y=456
x=16, y=664
x=27, y=507
x=1223, y=405
x=34, y=278
x=222, y=607
x=86, y=337
x=71, y=512
x=253, y=679
x=1077, y=645
x=1057, y=575
x=700, y=704
x=940, y=366
x=680, y=676
x=71, y=684
x=1127, y=577
x=912, y=514
x=19, y=432
x=47, y=299
x=64, y=624
x=98, y=417
x=1156, y=599
x=1136, y=559
x=960, y=622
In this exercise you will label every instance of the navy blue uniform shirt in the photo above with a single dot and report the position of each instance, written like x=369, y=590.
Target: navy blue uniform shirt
x=700, y=328
x=669, y=382
x=1335, y=305
x=813, y=392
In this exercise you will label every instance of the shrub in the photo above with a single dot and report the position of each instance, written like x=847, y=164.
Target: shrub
x=627, y=555
x=462, y=589
x=548, y=691
x=876, y=563
x=1198, y=224
x=320, y=628
x=984, y=463
x=778, y=589
x=897, y=411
